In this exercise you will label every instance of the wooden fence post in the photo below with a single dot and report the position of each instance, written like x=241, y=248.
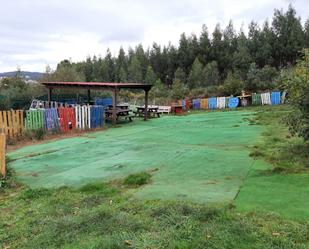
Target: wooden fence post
x=2, y=154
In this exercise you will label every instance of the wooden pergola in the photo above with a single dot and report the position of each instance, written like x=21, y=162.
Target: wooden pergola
x=113, y=87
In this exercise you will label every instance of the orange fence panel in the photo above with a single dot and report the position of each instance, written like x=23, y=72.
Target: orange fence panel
x=12, y=123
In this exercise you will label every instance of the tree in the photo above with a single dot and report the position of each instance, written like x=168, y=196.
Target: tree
x=159, y=90
x=233, y=85
x=306, y=34
x=260, y=79
x=241, y=57
x=110, y=63
x=204, y=44
x=211, y=74
x=135, y=71
x=179, y=90
x=298, y=89
x=123, y=76
x=65, y=72
x=289, y=36
x=150, y=76
x=121, y=66
x=180, y=75
x=253, y=80
x=195, y=78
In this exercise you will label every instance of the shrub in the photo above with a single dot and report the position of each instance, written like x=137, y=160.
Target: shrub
x=138, y=179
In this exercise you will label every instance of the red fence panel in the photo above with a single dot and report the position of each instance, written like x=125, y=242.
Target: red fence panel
x=67, y=118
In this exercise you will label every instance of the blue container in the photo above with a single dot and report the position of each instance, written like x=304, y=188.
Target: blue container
x=196, y=103
x=275, y=98
x=212, y=103
x=104, y=102
x=233, y=102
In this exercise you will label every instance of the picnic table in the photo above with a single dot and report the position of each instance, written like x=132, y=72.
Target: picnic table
x=152, y=111
x=122, y=111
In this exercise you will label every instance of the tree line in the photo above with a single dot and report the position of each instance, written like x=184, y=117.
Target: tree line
x=226, y=58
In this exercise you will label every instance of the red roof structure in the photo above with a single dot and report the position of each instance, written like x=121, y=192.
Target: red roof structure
x=87, y=85
x=114, y=87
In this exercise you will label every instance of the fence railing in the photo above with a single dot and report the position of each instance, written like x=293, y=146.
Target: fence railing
x=12, y=123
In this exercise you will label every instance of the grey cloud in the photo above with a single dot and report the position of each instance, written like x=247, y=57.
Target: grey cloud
x=33, y=27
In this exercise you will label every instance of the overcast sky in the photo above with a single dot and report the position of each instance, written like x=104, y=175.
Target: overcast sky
x=36, y=33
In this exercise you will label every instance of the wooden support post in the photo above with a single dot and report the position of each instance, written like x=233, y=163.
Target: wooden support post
x=146, y=104
x=114, y=106
x=88, y=96
x=49, y=96
x=2, y=154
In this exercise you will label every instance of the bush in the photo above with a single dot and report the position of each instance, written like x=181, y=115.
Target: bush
x=138, y=179
x=298, y=89
x=35, y=134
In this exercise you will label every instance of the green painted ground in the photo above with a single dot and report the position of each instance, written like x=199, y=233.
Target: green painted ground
x=284, y=194
x=201, y=157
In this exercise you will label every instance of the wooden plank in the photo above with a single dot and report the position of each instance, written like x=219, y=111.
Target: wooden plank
x=6, y=131
x=2, y=154
x=17, y=122
x=14, y=123
x=10, y=125
x=1, y=122
x=21, y=112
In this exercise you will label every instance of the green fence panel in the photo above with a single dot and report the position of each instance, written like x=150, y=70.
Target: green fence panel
x=34, y=120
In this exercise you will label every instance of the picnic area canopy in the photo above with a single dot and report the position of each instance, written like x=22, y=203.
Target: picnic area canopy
x=114, y=87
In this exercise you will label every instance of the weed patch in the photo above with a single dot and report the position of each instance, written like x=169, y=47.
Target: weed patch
x=137, y=179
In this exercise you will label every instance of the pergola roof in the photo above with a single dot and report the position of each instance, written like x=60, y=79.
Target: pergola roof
x=97, y=85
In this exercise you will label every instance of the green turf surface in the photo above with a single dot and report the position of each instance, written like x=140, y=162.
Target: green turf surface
x=200, y=157
x=285, y=194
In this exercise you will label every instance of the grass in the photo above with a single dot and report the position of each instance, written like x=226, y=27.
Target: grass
x=287, y=154
x=102, y=216
x=107, y=215
x=137, y=179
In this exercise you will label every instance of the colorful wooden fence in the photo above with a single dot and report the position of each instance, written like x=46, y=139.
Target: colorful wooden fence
x=2, y=154
x=12, y=123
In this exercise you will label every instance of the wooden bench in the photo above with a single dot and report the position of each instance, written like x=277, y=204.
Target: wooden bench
x=164, y=109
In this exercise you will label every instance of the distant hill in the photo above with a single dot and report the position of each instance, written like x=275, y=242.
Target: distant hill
x=25, y=74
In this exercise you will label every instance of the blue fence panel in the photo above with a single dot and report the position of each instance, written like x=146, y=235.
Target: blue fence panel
x=104, y=102
x=212, y=103
x=233, y=102
x=184, y=104
x=275, y=98
x=196, y=103
x=51, y=120
x=97, y=116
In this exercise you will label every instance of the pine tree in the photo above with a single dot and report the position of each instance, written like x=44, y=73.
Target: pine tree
x=150, y=76
x=121, y=66
x=204, y=44
x=135, y=71
x=211, y=74
x=195, y=78
x=180, y=75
